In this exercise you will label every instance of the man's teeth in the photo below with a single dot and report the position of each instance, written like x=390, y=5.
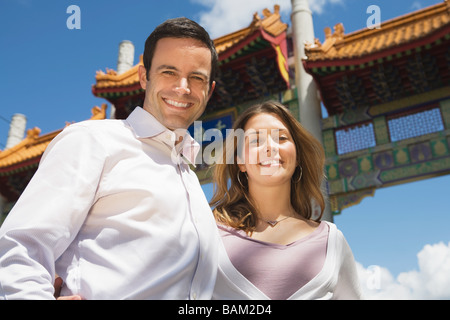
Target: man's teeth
x=177, y=104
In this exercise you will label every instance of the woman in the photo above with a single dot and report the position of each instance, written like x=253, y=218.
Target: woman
x=273, y=248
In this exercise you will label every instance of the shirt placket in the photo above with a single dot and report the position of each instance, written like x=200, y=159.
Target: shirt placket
x=183, y=171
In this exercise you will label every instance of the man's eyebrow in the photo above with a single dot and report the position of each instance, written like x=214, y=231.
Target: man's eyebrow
x=169, y=67
x=165, y=66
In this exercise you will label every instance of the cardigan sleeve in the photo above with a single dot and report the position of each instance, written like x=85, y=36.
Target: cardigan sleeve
x=348, y=286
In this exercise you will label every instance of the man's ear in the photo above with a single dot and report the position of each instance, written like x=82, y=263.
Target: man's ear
x=142, y=76
x=211, y=90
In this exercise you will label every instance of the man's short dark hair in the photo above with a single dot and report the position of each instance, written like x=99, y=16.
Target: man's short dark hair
x=180, y=28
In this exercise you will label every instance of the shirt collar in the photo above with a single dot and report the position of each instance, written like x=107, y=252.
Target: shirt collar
x=145, y=125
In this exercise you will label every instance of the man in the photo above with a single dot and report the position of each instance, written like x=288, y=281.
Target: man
x=113, y=208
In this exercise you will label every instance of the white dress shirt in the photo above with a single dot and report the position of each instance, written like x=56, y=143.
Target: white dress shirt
x=115, y=204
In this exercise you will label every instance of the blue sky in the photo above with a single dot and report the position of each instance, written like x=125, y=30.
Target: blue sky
x=400, y=237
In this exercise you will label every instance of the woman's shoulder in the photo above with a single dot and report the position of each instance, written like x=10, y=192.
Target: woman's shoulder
x=332, y=227
x=335, y=234
x=336, y=237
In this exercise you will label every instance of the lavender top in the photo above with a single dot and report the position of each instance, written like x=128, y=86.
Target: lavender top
x=277, y=270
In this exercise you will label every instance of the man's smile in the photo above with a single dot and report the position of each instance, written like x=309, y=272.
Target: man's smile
x=177, y=104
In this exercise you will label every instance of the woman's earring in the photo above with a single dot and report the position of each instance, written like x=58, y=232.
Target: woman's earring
x=301, y=174
x=239, y=179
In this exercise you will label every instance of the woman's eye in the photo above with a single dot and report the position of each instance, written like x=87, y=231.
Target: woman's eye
x=253, y=139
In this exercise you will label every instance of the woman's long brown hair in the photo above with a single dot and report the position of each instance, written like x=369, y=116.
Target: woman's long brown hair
x=233, y=205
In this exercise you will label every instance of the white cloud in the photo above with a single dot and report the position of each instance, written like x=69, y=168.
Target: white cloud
x=223, y=17
x=432, y=281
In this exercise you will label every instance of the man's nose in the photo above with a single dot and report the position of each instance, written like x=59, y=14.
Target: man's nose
x=182, y=87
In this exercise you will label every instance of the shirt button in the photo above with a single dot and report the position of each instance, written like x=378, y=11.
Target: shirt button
x=194, y=296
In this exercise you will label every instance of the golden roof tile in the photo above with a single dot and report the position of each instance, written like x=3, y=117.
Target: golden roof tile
x=29, y=148
x=392, y=33
x=112, y=79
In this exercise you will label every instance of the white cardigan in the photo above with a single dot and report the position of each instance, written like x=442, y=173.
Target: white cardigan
x=338, y=278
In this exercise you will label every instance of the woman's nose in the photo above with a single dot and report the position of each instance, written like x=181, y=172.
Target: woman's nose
x=271, y=146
